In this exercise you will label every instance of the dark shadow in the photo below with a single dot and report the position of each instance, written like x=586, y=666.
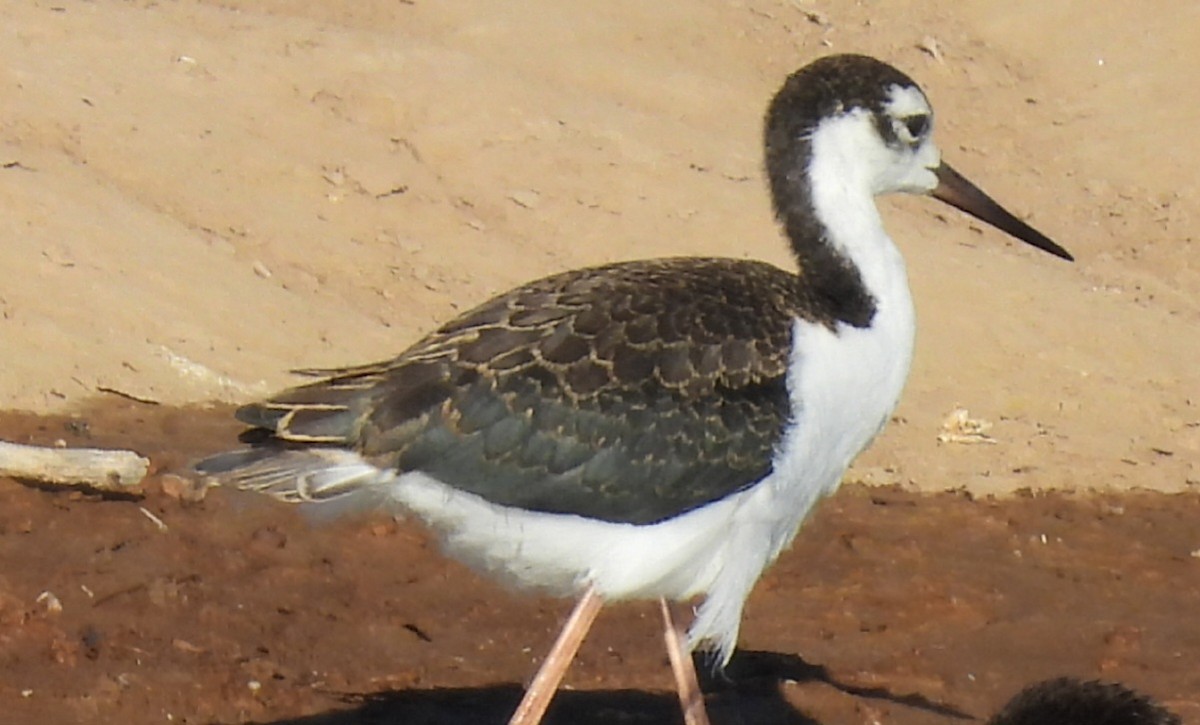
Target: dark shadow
x=747, y=693
x=78, y=489
x=493, y=706
x=751, y=668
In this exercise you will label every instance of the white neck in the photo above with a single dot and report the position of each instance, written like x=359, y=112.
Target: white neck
x=843, y=198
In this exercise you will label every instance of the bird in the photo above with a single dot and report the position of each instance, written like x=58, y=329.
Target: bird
x=1070, y=701
x=653, y=429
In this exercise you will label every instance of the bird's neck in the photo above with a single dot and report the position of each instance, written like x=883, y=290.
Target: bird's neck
x=836, y=233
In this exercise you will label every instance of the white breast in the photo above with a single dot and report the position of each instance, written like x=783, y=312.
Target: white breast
x=843, y=386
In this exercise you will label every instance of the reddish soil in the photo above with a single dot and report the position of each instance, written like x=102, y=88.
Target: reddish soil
x=892, y=606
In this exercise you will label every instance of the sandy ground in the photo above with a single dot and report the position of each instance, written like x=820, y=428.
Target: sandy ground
x=199, y=196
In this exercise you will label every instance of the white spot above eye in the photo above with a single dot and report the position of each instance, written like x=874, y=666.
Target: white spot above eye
x=905, y=101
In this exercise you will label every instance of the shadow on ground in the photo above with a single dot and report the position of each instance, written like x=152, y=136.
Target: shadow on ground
x=748, y=693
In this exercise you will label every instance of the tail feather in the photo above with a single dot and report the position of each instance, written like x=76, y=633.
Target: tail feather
x=330, y=411
x=305, y=422
x=295, y=475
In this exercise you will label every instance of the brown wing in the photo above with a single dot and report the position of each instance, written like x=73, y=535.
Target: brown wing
x=630, y=392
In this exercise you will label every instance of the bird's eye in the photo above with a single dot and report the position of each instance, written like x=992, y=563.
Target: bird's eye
x=917, y=126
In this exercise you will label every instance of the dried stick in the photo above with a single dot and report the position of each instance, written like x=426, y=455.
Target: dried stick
x=100, y=469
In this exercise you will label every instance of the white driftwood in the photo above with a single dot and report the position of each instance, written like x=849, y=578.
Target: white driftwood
x=101, y=469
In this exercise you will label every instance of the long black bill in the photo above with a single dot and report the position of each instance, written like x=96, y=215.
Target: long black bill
x=954, y=189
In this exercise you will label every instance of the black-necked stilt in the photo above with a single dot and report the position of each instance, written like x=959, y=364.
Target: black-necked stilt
x=650, y=429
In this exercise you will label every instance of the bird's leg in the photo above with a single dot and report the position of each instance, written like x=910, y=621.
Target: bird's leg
x=690, y=697
x=549, y=675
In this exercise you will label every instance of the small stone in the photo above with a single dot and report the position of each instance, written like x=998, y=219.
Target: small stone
x=525, y=198
x=51, y=602
x=930, y=45
x=185, y=646
x=183, y=488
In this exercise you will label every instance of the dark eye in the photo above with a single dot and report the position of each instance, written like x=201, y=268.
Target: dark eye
x=917, y=125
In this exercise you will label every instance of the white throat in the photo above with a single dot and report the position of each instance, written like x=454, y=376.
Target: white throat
x=845, y=154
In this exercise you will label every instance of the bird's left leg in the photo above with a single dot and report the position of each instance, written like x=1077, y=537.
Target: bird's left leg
x=686, y=683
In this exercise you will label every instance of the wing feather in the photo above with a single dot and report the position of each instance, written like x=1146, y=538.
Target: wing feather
x=630, y=392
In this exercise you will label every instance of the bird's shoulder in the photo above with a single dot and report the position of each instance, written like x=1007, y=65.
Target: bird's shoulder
x=682, y=323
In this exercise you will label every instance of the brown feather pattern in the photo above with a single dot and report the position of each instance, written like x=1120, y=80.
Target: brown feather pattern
x=628, y=392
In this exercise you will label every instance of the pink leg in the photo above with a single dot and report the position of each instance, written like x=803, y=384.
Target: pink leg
x=549, y=675
x=690, y=697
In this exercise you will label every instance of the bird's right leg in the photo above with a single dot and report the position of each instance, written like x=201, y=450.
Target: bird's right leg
x=550, y=674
